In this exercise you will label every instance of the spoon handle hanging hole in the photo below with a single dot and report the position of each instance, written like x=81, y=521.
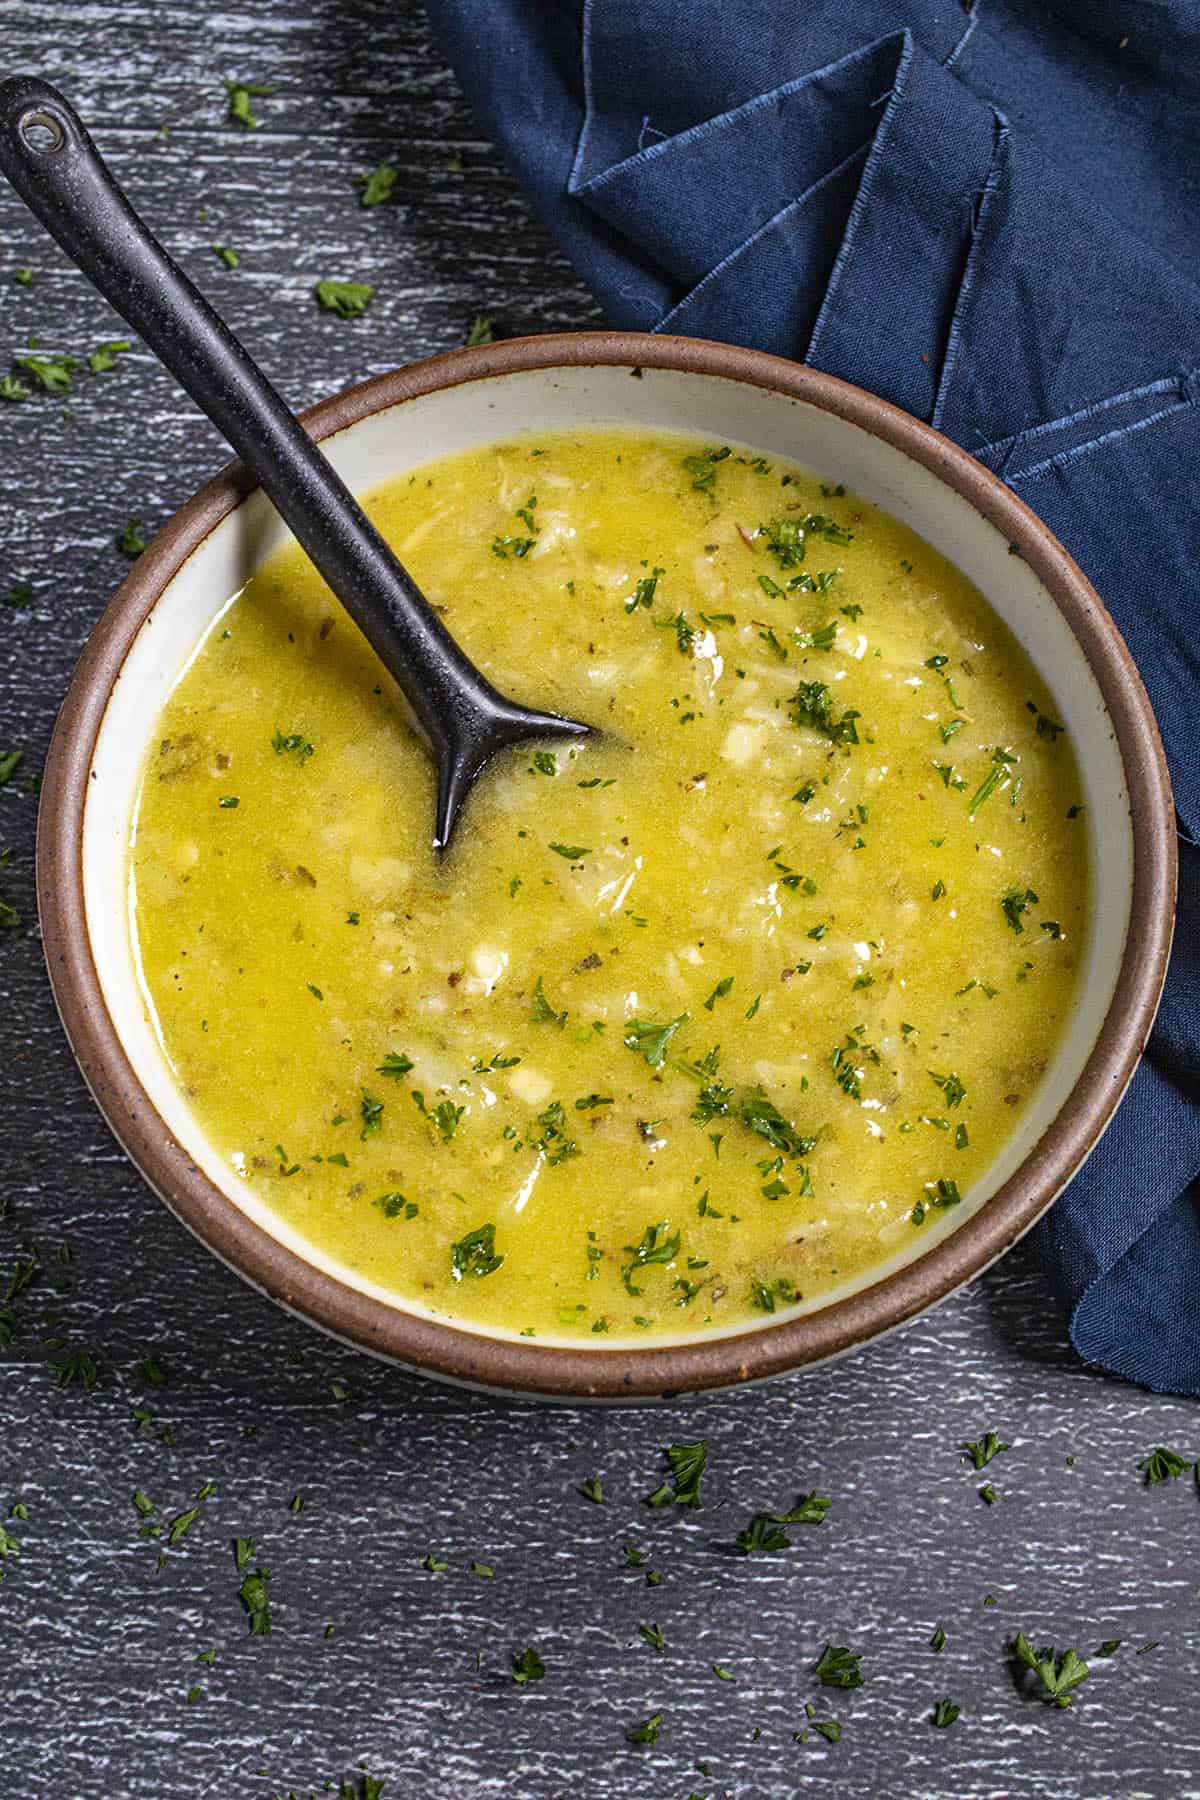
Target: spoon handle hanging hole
x=41, y=132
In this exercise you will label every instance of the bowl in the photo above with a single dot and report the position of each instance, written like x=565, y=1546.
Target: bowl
x=377, y=430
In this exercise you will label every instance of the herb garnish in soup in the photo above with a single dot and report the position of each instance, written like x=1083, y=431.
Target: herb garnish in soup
x=702, y=1017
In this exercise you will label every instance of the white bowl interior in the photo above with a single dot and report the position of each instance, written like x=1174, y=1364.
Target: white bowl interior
x=722, y=410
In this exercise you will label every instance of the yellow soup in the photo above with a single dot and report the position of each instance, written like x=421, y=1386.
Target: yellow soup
x=701, y=1018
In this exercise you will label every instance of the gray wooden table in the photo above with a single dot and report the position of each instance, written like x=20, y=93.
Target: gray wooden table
x=375, y=1659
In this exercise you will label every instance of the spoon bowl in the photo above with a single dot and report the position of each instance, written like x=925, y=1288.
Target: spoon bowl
x=46, y=153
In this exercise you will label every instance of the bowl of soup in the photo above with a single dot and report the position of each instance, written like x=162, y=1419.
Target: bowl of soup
x=723, y=1040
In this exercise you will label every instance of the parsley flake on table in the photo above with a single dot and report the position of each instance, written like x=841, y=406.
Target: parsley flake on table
x=944, y=1713
x=348, y=299
x=1163, y=1465
x=482, y=331
x=52, y=371
x=131, y=543
x=764, y=1534
x=240, y=95
x=829, y=1729
x=105, y=358
x=647, y=1732
x=838, y=1667
x=654, y=1637
x=10, y=762
x=687, y=1465
x=255, y=1596
x=982, y=1450
x=228, y=256
x=527, y=1667
x=377, y=185
x=593, y=1489
x=1057, y=1671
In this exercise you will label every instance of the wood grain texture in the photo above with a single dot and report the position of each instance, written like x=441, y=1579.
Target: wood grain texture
x=100, y=1646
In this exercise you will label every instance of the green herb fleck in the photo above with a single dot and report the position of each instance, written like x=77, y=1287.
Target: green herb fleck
x=474, y=1255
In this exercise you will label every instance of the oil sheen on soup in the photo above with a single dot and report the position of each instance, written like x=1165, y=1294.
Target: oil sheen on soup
x=702, y=1018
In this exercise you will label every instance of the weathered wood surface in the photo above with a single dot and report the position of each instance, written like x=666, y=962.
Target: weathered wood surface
x=99, y=1648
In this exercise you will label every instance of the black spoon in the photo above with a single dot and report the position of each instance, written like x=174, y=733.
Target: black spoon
x=54, y=166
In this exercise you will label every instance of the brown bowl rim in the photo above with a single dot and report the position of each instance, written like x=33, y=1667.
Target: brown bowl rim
x=524, y=1366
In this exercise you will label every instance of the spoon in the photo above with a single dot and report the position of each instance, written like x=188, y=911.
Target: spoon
x=51, y=161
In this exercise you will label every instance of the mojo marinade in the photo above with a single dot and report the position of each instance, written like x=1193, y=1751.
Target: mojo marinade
x=703, y=1016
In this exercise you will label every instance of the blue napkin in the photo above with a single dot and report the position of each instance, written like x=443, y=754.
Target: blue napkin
x=991, y=217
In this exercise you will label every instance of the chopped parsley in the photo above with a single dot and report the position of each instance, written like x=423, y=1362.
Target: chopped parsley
x=702, y=467
x=643, y=591
x=838, y=1667
x=395, y=1206
x=764, y=1531
x=255, y=1596
x=647, y=1732
x=655, y=1247
x=812, y=706
x=996, y=777
x=1057, y=1671
x=982, y=1450
x=760, y=1115
x=764, y=1294
x=1163, y=1465
x=474, y=1255
x=292, y=743
x=377, y=185
x=572, y=852
x=651, y=1040
x=348, y=299
x=687, y=1464
x=131, y=543
x=370, y=1111
x=553, y=1143
x=229, y=257
x=240, y=95
x=1014, y=903
x=953, y=1091
x=541, y=1011
x=52, y=372
x=483, y=331
x=99, y=361
x=445, y=1116
x=395, y=1065
x=527, y=1667
x=944, y=1713
x=1046, y=726
x=722, y=988
x=592, y=1489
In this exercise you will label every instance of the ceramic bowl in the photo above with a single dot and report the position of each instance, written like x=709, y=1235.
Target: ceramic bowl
x=376, y=431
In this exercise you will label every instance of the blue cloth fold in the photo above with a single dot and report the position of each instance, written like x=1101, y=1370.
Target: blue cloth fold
x=991, y=217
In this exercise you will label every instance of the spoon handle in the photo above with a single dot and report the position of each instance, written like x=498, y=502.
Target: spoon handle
x=49, y=158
